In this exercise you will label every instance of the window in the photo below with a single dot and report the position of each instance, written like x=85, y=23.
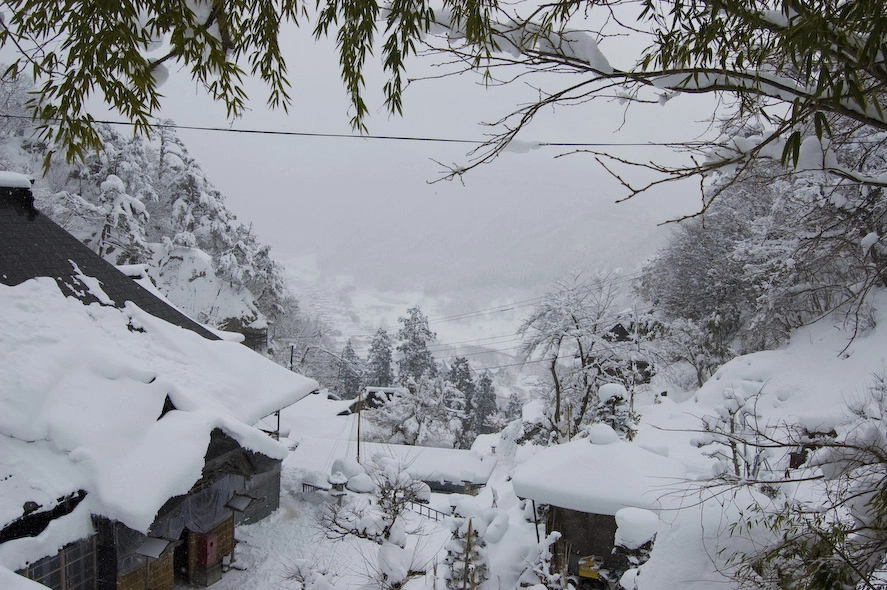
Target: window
x=73, y=568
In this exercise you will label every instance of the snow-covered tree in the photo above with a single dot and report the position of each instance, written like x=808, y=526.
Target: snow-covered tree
x=514, y=407
x=484, y=404
x=697, y=344
x=14, y=95
x=350, y=372
x=460, y=376
x=613, y=409
x=833, y=532
x=379, y=370
x=466, y=566
x=774, y=250
x=428, y=413
x=121, y=238
x=150, y=202
x=574, y=332
x=414, y=336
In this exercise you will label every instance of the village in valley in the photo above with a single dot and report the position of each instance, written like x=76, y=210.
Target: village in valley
x=505, y=382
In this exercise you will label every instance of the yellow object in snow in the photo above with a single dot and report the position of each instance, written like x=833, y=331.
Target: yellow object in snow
x=590, y=566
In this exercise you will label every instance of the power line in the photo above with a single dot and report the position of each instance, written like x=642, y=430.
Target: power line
x=488, y=351
x=513, y=365
x=498, y=309
x=540, y=144
x=445, y=345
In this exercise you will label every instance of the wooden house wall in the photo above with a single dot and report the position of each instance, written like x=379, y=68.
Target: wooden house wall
x=265, y=488
x=582, y=534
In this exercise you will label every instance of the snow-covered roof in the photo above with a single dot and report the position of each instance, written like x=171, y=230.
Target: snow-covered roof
x=428, y=464
x=597, y=478
x=82, y=390
x=14, y=180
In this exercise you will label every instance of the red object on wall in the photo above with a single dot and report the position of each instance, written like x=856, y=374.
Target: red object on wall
x=207, y=550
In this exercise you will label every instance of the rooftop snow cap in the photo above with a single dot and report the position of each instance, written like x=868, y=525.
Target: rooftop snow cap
x=15, y=192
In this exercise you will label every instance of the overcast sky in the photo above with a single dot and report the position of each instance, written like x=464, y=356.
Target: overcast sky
x=365, y=208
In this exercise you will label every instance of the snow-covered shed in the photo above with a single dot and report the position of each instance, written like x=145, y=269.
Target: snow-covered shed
x=586, y=482
x=444, y=470
x=127, y=445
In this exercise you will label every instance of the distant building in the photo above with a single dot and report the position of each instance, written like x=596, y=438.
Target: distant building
x=370, y=399
x=127, y=446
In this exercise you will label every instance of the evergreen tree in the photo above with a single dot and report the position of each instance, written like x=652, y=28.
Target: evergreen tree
x=460, y=377
x=416, y=359
x=121, y=237
x=349, y=375
x=514, y=409
x=379, y=370
x=484, y=404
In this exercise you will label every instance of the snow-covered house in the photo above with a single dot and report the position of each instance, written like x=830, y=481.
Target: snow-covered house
x=127, y=445
x=585, y=483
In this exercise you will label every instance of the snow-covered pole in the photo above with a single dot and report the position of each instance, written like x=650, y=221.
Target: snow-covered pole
x=359, y=412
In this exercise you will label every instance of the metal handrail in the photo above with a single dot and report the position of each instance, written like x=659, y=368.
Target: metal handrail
x=427, y=511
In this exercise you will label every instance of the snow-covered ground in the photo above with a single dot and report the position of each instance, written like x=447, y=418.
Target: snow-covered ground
x=810, y=381
x=269, y=551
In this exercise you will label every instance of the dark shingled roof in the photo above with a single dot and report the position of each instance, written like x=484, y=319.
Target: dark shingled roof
x=32, y=245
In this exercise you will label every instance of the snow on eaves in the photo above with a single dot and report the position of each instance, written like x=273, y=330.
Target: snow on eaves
x=597, y=478
x=14, y=180
x=82, y=390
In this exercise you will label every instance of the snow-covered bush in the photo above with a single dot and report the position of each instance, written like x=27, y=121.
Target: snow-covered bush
x=539, y=572
x=465, y=563
x=378, y=517
x=307, y=575
x=613, y=409
x=735, y=435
